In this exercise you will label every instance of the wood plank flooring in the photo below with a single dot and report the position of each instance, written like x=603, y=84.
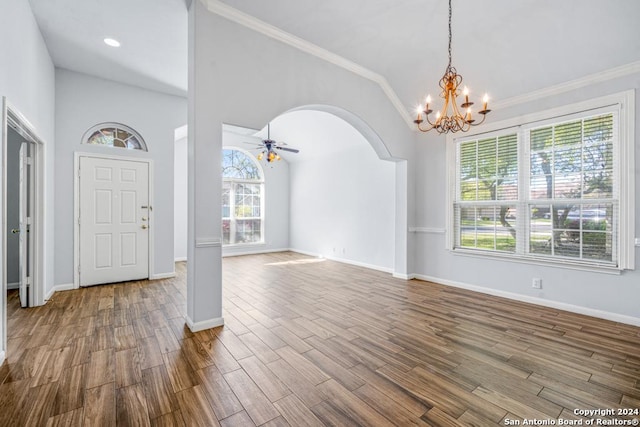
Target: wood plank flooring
x=308, y=342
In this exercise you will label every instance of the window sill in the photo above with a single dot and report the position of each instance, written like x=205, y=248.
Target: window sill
x=543, y=262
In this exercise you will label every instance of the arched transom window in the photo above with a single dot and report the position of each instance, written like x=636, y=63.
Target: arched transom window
x=114, y=135
x=242, y=198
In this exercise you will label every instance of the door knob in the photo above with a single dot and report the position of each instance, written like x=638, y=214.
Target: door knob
x=144, y=226
x=15, y=230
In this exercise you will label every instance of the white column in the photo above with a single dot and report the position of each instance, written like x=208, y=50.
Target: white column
x=204, y=251
x=400, y=267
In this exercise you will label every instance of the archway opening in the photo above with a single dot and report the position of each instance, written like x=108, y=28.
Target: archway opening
x=341, y=192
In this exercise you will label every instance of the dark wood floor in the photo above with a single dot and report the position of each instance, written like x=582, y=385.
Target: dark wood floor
x=308, y=342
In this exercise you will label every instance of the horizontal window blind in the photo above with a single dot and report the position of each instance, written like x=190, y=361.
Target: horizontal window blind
x=572, y=201
x=547, y=191
x=487, y=192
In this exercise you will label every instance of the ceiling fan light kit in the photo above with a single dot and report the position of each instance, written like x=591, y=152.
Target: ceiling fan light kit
x=449, y=118
x=269, y=148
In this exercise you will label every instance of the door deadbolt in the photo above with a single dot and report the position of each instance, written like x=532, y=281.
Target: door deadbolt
x=15, y=230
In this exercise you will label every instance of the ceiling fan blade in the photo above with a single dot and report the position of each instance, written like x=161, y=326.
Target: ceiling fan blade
x=252, y=143
x=292, y=150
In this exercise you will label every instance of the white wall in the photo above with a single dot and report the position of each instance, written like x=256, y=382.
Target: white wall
x=26, y=70
x=342, y=194
x=612, y=296
x=27, y=80
x=343, y=208
x=83, y=101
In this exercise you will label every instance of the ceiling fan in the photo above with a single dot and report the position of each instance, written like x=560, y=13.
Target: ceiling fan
x=270, y=147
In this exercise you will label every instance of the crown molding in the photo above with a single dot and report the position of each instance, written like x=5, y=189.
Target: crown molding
x=248, y=21
x=591, y=79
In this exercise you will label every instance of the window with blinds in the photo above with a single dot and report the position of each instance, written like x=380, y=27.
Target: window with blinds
x=572, y=202
x=485, y=209
x=547, y=190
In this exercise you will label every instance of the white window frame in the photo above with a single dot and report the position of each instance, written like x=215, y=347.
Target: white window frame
x=623, y=104
x=232, y=219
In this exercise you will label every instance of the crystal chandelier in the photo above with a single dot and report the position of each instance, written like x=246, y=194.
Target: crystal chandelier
x=449, y=118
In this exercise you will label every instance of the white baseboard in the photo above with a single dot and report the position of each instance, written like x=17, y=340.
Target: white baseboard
x=63, y=287
x=49, y=294
x=159, y=276
x=15, y=285
x=253, y=252
x=2, y=357
x=58, y=288
x=344, y=261
x=205, y=324
x=180, y=259
x=601, y=314
x=404, y=276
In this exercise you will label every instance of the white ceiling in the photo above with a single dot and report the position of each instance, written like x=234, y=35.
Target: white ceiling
x=153, y=34
x=524, y=45
x=521, y=45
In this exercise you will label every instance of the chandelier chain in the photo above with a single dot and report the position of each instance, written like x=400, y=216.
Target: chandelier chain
x=449, y=35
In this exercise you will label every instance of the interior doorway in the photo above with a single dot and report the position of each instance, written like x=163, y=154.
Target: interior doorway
x=20, y=204
x=22, y=214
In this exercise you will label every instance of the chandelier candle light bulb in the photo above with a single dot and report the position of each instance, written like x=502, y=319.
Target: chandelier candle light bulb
x=449, y=118
x=427, y=110
x=466, y=97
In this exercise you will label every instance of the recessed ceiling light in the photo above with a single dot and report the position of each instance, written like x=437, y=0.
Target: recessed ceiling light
x=112, y=42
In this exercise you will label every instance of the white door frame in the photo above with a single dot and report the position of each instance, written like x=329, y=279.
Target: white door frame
x=12, y=115
x=76, y=208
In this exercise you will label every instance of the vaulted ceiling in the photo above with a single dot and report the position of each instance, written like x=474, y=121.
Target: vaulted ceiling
x=503, y=47
x=153, y=34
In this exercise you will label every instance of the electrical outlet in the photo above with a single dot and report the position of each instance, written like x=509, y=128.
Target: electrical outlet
x=537, y=283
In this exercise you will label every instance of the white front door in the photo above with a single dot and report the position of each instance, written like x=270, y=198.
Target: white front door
x=114, y=220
